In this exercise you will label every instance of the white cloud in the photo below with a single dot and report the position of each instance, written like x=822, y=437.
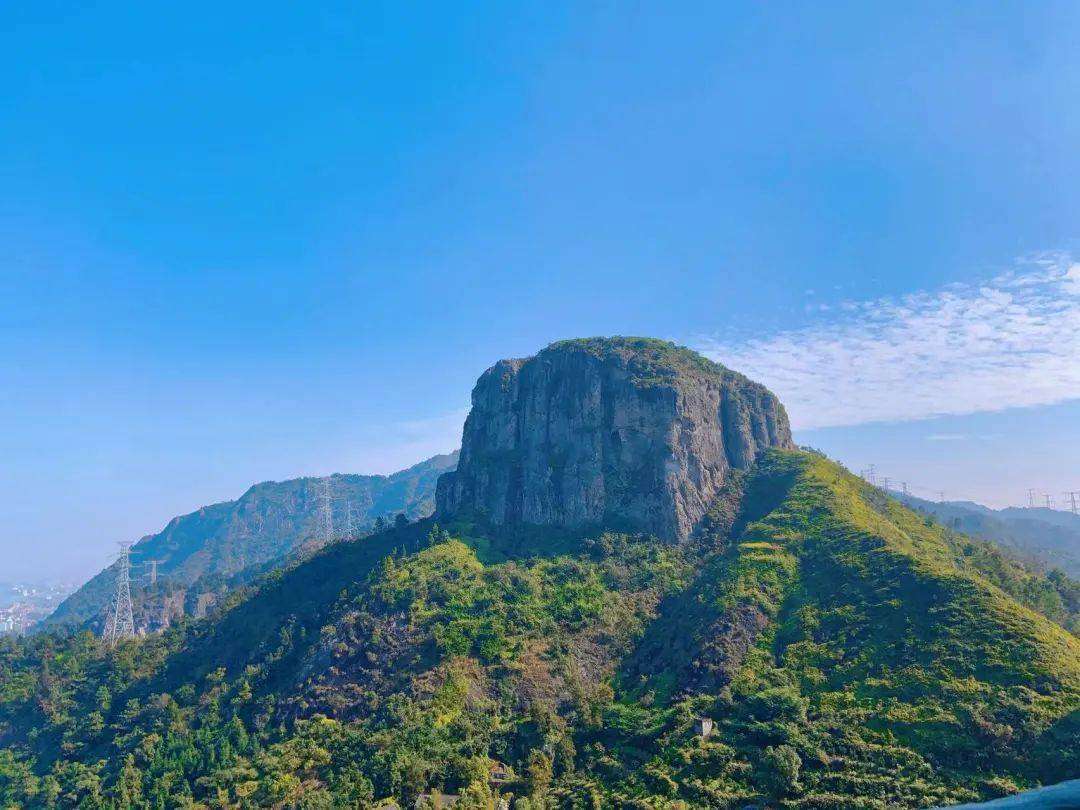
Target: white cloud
x=1013, y=341
x=959, y=437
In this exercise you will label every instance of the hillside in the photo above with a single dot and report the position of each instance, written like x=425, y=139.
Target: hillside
x=1046, y=537
x=809, y=643
x=848, y=652
x=203, y=554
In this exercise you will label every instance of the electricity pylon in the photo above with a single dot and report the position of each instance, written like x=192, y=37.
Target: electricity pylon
x=350, y=521
x=327, y=511
x=121, y=623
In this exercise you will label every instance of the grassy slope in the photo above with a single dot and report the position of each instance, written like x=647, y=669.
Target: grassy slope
x=886, y=623
x=893, y=668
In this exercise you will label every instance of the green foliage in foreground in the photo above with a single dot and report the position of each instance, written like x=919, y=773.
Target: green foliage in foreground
x=852, y=655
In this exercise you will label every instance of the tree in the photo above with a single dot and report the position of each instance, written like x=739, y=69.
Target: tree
x=780, y=767
x=433, y=535
x=538, y=776
x=129, y=785
x=353, y=787
x=564, y=755
x=477, y=796
x=17, y=781
x=413, y=783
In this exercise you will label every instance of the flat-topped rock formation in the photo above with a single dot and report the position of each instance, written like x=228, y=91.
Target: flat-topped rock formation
x=629, y=432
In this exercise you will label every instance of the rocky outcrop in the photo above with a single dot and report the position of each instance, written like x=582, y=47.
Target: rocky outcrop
x=626, y=432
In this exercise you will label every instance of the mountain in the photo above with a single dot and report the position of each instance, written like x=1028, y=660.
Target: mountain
x=203, y=554
x=1055, y=517
x=1044, y=537
x=629, y=432
x=805, y=642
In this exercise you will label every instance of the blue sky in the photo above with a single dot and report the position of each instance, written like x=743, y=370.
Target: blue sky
x=257, y=241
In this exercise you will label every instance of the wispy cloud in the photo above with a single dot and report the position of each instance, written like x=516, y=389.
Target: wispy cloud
x=1013, y=341
x=959, y=437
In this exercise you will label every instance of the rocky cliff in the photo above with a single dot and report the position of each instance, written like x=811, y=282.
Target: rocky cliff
x=628, y=432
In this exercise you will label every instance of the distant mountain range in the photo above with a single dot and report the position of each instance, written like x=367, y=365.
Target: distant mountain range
x=1046, y=537
x=201, y=555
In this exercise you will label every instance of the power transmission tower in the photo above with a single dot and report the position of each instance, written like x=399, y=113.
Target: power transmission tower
x=941, y=496
x=904, y=489
x=326, y=512
x=885, y=485
x=1031, y=498
x=1049, y=501
x=870, y=476
x=1074, y=502
x=121, y=623
x=350, y=521
x=153, y=570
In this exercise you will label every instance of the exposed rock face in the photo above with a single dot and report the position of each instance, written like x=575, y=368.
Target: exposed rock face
x=627, y=432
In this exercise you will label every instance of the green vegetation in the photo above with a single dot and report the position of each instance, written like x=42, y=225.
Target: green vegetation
x=650, y=356
x=851, y=653
x=652, y=361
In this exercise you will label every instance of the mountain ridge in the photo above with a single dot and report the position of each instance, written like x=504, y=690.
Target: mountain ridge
x=205, y=552
x=1044, y=537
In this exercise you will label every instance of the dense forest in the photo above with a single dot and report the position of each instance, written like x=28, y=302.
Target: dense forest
x=815, y=645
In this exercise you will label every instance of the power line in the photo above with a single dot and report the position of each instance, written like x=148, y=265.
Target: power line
x=871, y=476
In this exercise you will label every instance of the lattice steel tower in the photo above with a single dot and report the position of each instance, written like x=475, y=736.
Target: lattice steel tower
x=326, y=517
x=121, y=623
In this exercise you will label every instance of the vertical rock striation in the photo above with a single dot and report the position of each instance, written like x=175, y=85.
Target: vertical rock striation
x=628, y=432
